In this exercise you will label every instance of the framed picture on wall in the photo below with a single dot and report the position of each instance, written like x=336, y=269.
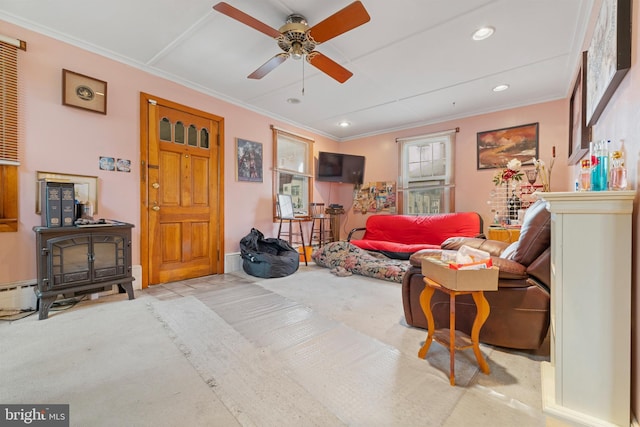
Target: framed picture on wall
x=579, y=132
x=497, y=147
x=248, y=161
x=84, y=92
x=609, y=55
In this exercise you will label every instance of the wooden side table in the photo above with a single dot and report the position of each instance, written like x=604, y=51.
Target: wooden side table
x=454, y=340
x=508, y=235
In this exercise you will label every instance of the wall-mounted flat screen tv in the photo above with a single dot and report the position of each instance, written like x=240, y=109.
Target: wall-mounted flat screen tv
x=344, y=168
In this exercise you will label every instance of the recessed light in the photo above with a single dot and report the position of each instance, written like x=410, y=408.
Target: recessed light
x=483, y=33
x=293, y=100
x=500, y=88
x=344, y=124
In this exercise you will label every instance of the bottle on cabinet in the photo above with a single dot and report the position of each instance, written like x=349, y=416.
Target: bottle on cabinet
x=584, y=182
x=618, y=175
x=599, y=165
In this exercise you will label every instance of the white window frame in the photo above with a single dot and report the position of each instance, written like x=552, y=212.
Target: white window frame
x=415, y=188
x=292, y=168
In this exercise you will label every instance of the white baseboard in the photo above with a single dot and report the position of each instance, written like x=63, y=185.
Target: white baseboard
x=136, y=271
x=21, y=295
x=232, y=262
x=18, y=295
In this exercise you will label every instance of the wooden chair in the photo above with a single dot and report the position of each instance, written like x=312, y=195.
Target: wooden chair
x=320, y=225
x=284, y=208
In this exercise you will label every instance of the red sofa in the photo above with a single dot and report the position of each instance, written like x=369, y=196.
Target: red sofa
x=399, y=236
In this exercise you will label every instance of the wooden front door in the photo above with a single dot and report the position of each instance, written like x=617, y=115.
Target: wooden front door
x=183, y=187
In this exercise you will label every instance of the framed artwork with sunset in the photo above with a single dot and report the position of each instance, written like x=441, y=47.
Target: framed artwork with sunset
x=497, y=147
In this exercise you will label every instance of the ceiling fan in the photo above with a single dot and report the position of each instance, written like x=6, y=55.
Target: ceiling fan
x=298, y=40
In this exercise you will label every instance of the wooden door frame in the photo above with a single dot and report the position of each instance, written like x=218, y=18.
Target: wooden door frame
x=145, y=101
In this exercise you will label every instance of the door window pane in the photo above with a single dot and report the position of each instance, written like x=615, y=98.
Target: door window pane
x=179, y=137
x=165, y=129
x=204, y=138
x=192, y=138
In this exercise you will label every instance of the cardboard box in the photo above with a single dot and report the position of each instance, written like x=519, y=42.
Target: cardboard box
x=460, y=280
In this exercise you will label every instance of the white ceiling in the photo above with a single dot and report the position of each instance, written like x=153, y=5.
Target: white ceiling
x=414, y=62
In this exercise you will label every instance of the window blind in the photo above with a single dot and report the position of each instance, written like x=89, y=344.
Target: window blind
x=8, y=104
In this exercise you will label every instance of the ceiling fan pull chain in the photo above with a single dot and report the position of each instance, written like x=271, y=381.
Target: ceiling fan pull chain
x=303, y=78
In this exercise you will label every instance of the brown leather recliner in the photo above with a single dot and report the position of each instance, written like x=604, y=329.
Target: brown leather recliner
x=519, y=316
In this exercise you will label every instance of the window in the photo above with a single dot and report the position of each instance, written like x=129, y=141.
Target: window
x=426, y=173
x=9, y=161
x=292, y=168
x=166, y=133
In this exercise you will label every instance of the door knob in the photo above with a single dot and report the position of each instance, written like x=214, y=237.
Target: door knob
x=155, y=185
x=155, y=206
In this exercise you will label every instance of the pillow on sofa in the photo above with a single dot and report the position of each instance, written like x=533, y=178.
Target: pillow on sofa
x=494, y=247
x=535, y=235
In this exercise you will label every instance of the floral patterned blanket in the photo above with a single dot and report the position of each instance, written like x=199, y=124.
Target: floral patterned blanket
x=359, y=261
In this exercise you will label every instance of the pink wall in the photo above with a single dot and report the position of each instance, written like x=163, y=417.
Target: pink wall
x=52, y=130
x=62, y=139
x=472, y=186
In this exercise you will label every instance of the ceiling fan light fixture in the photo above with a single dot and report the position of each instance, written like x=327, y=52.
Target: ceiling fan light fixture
x=501, y=88
x=296, y=51
x=483, y=33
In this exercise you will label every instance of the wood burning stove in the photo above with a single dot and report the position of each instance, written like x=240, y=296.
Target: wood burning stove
x=75, y=260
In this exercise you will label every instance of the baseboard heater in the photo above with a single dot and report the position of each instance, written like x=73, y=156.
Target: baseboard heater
x=18, y=296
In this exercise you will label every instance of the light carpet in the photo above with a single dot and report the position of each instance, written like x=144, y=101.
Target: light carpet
x=313, y=349
x=111, y=361
x=307, y=349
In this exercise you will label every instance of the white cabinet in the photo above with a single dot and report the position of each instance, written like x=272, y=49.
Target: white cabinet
x=587, y=381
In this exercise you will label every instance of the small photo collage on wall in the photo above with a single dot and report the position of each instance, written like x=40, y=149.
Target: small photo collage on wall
x=113, y=164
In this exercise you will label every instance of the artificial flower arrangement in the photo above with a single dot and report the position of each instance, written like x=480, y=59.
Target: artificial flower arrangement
x=543, y=173
x=510, y=172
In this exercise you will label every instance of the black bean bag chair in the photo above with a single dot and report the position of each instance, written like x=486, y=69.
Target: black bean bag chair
x=268, y=257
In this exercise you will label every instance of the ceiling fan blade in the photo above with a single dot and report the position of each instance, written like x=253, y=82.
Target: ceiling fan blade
x=329, y=66
x=340, y=22
x=268, y=66
x=239, y=15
